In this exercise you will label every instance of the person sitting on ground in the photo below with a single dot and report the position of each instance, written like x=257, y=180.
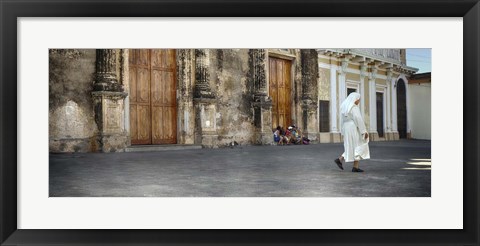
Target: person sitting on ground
x=296, y=137
x=277, y=138
x=288, y=135
x=301, y=137
x=282, y=139
x=293, y=135
x=284, y=136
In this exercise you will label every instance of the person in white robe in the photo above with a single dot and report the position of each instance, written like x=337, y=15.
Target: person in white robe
x=354, y=132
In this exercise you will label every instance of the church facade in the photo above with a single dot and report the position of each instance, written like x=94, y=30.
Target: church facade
x=107, y=100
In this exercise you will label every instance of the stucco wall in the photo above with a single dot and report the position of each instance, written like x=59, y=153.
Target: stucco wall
x=323, y=84
x=72, y=126
x=420, y=110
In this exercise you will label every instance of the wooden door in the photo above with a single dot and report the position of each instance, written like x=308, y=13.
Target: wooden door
x=280, y=91
x=380, y=128
x=153, y=96
x=401, y=109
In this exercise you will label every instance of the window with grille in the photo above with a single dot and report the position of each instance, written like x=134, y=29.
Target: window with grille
x=324, y=107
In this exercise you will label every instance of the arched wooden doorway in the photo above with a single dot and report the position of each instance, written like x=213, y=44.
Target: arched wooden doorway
x=401, y=109
x=153, y=103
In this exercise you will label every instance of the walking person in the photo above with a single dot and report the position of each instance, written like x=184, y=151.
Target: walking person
x=354, y=132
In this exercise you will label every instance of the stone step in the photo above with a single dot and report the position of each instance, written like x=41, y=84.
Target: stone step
x=166, y=147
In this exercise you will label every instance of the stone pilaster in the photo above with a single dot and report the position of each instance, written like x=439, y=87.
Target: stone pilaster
x=109, y=103
x=333, y=100
x=373, y=102
x=186, y=63
x=342, y=93
x=204, y=101
x=309, y=59
x=363, y=74
x=394, y=109
x=389, y=134
x=262, y=103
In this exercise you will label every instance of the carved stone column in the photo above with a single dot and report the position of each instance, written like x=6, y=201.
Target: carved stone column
x=309, y=63
x=373, y=102
x=259, y=62
x=204, y=101
x=202, y=74
x=108, y=100
x=105, y=69
x=262, y=103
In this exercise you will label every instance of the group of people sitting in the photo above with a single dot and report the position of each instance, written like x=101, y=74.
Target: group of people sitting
x=290, y=136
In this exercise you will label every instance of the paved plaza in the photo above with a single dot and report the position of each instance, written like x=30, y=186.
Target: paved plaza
x=397, y=169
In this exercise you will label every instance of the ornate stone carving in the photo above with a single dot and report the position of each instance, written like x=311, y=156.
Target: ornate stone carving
x=108, y=107
x=257, y=59
x=109, y=111
x=261, y=103
x=105, y=67
x=202, y=75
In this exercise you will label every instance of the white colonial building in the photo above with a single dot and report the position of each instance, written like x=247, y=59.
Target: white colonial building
x=380, y=76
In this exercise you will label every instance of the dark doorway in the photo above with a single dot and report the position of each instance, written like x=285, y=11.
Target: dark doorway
x=350, y=90
x=401, y=109
x=380, y=128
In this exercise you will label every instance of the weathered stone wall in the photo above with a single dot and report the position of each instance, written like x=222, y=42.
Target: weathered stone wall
x=72, y=125
x=229, y=80
x=297, y=118
x=222, y=98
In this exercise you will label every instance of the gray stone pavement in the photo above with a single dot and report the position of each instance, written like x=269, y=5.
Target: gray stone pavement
x=397, y=169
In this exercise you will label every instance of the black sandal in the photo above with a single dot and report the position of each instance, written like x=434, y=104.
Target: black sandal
x=339, y=163
x=357, y=170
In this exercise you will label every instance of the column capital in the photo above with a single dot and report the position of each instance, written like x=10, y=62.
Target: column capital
x=373, y=73
x=343, y=65
x=363, y=69
x=389, y=75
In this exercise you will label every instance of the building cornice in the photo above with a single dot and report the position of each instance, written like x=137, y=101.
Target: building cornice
x=357, y=56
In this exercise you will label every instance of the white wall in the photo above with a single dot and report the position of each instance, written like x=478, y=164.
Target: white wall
x=420, y=110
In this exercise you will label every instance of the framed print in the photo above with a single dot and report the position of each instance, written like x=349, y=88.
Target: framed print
x=128, y=80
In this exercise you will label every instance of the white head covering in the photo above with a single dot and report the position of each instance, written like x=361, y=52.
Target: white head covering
x=347, y=105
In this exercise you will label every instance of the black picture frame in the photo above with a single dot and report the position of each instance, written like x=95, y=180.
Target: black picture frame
x=11, y=10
